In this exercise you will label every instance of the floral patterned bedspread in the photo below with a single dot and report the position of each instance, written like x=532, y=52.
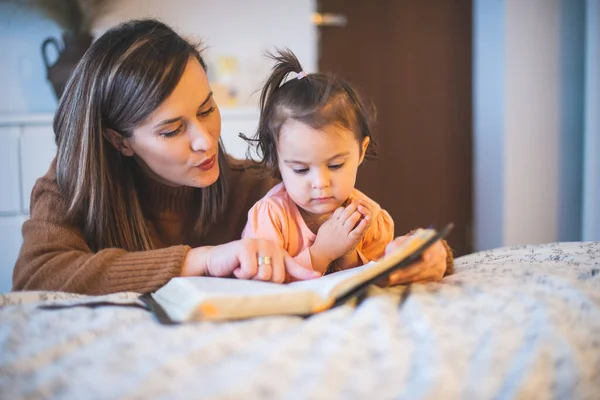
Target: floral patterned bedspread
x=519, y=322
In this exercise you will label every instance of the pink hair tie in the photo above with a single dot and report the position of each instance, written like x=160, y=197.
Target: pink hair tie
x=301, y=75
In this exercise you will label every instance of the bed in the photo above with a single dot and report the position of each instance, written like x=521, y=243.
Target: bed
x=515, y=322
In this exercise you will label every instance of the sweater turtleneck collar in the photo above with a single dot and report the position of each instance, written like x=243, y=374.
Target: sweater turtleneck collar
x=162, y=200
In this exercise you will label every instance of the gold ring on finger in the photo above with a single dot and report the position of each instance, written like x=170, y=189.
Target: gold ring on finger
x=264, y=260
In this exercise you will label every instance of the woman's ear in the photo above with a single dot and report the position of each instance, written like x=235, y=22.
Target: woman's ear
x=363, y=148
x=119, y=142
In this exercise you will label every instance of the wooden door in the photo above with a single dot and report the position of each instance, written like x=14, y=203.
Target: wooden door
x=413, y=59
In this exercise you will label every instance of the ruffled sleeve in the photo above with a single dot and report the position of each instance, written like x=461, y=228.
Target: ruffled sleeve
x=265, y=221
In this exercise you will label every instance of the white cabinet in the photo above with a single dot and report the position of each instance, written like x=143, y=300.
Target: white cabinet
x=10, y=200
x=37, y=152
x=27, y=148
x=10, y=243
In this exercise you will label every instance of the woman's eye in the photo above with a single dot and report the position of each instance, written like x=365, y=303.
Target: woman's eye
x=336, y=166
x=205, y=113
x=171, y=133
x=301, y=171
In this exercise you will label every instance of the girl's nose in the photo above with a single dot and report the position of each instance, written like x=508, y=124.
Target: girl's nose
x=200, y=137
x=321, y=180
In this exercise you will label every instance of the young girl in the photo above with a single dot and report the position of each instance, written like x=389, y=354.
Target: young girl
x=313, y=134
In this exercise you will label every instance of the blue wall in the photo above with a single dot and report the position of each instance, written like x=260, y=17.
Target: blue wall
x=575, y=148
x=22, y=71
x=572, y=56
x=591, y=176
x=489, y=62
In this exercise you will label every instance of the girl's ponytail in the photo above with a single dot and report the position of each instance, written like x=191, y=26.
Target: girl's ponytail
x=271, y=108
x=285, y=63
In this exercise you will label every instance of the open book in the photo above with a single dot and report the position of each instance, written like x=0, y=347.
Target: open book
x=206, y=298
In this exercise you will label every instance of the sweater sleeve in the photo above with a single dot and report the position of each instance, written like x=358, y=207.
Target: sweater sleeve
x=55, y=256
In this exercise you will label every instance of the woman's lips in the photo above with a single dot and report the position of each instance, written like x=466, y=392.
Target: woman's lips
x=208, y=164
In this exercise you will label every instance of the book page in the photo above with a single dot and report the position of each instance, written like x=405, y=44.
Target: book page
x=230, y=286
x=206, y=298
x=325, y=284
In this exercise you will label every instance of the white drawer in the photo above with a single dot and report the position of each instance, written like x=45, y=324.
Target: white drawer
x=10, y=244
x=37, y=152
x=10, y=200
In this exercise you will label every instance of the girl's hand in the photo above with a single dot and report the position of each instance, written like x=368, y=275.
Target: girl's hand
x=241, y=259
x=340, y=234
x=431, y=268
x=370, y=209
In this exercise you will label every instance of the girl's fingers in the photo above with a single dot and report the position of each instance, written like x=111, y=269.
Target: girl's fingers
x=348, y=211
x=336, y=214
x=364, y=210
x=360, y=229
x=352, y=220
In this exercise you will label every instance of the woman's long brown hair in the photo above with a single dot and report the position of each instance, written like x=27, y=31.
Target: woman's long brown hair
x=125, y=75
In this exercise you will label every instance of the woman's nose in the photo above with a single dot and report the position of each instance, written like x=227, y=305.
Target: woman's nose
x=200, y=137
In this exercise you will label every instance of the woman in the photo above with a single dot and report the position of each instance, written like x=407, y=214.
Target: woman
x=140, y=190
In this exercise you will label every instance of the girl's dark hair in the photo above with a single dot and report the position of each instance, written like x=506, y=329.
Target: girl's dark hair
x=124, y=76
x=317, y=100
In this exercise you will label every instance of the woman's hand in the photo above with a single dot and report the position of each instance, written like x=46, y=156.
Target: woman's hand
x=430, y=268
x=241, y=259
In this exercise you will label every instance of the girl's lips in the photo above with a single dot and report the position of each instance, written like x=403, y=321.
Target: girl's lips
x=208, y=164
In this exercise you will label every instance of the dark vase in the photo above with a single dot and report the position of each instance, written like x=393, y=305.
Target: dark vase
x=69, y=54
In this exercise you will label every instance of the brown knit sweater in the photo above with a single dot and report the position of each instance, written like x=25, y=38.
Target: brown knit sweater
x=55, y=256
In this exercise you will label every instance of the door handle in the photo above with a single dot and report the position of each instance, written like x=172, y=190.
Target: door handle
x=329, y=20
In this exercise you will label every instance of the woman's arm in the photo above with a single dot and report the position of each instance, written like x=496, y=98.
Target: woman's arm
x=436, y=262
x=55, y=255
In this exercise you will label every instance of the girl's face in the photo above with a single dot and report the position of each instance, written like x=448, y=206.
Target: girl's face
x=178, y=144
x=318, y=167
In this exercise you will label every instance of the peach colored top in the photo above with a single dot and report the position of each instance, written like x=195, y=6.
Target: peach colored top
x=276, y=217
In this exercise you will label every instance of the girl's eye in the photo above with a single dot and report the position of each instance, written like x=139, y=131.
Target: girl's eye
x=171, y=133
x=336, y=166
x=205, y=113
x=301, y=171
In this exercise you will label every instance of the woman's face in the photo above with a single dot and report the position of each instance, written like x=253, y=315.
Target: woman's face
x=179, y=142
